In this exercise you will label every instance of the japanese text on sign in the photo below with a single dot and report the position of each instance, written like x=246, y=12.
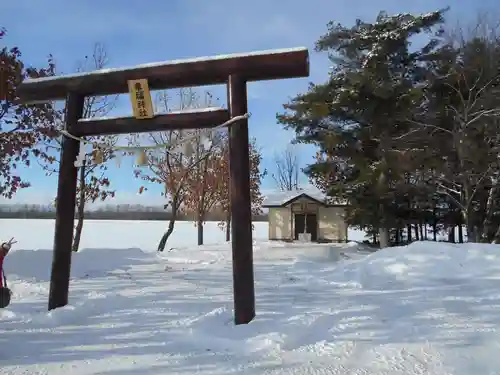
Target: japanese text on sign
x=140, y=97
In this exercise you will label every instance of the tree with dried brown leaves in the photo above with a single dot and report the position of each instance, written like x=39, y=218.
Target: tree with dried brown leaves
x=206, y=179
x=22, y=127
x=256, y=176
x=173, y=166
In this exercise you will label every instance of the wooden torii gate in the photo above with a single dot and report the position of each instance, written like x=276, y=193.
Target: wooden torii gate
x=234, y=70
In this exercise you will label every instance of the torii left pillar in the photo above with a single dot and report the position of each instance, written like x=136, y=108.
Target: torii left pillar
x=65, y=207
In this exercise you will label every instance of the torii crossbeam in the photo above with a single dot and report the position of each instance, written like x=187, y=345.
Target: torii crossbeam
x=234, y=70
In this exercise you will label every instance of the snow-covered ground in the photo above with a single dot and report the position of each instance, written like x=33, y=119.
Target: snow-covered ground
x=39, y=234
x=429, y=308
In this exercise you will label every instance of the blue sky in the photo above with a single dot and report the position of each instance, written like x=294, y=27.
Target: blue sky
x=154, y=30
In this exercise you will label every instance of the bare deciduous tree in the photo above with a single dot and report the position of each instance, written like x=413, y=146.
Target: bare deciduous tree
x=286, y=175
x=472, y=115
x=93, y=185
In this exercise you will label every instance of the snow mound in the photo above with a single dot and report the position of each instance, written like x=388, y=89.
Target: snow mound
x=424, y=264
x=35, y=265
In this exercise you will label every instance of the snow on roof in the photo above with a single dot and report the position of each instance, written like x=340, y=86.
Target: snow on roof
x=279, y=198
x=168, y=62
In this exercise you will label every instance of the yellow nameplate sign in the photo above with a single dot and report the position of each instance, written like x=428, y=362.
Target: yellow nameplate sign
x=140, y=97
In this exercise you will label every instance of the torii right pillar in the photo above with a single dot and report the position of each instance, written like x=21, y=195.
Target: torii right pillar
x=241, y=212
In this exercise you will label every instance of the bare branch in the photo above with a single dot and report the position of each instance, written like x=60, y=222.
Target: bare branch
x=287, y=170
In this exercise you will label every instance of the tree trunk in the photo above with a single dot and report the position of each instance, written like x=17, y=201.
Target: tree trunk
x=460, y=233
x=78, y=230
x=199, y=226
x=469, y=227
x=228, y=227
x=467, y=192
x=166, y=235
x=80, y=212
x=471, y=234
x=383, y=231
x=451, y=235
x=434, y=225
x=202, y=208
x=467, y=212
x=496, y=237
x=171, y=225
x=417, y=237
x=488, y=221
x=408, y=225
x=421, y=228
x=383, y=237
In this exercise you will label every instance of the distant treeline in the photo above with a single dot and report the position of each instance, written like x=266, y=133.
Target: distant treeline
x=108, y=212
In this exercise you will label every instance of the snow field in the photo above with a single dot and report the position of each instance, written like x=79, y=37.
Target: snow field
x=428, y=308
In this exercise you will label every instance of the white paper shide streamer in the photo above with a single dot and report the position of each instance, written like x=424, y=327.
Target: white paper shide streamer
x=186, y=145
